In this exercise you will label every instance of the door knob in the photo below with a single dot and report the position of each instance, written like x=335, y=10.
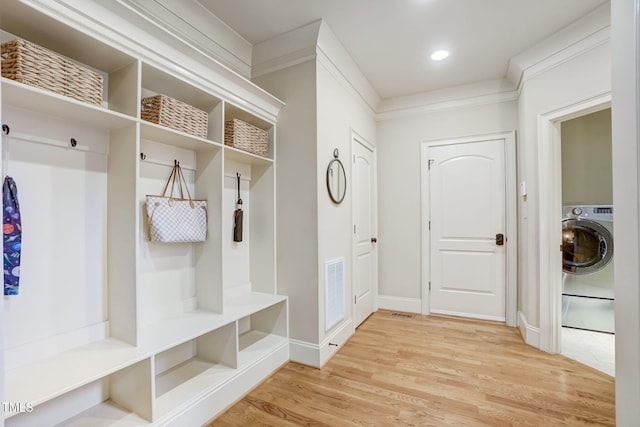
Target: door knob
x=499, y=239
x=374, y=239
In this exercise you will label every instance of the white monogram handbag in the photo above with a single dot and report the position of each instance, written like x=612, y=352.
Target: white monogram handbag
x=176, y=220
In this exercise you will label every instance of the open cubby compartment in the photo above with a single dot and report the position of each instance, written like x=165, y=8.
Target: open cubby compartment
x=158, y=82
x=180, y=283
x=64, y=300
x=194, y=368
x=119, y=70
x=262, y=333
x=249, y=264
x=233, y=112
x=123, y=397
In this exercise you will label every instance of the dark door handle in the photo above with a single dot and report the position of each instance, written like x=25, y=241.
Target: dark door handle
x=374, y=239
x=499, y=239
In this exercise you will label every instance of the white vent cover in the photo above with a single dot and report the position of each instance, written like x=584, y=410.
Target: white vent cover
x=333, y=292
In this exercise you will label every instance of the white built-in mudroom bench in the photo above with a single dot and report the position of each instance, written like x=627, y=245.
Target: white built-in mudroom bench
x=109, y=328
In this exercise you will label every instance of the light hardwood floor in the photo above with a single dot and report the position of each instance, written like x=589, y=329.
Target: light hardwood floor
x=431, y=371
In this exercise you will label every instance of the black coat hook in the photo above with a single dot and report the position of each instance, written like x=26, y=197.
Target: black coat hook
x=73, y=142
x=5, y=129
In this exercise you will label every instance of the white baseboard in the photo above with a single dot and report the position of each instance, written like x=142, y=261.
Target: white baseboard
x=317, y=355
x=530, y=334
x=409, y=305
x=304, y=352
x=335, y=340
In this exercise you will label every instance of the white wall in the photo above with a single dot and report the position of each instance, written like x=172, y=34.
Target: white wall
x=586, y=160
x=338, y=114
x=296, y=195
x=322, y=109
x=578, y=79
x=399, y=189
x=625, y=25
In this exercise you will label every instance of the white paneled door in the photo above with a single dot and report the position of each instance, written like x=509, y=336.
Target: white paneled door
x=364, y=213
x=467, y=207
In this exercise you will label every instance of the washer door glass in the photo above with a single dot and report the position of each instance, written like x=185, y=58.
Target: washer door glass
x=586, y=246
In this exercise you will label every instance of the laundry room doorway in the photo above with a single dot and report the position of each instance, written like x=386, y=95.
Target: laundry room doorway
x=575, y=177
x=588, y=245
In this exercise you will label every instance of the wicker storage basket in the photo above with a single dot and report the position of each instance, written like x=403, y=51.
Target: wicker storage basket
x=175, y=114
x=246, y=137
x=33, y=65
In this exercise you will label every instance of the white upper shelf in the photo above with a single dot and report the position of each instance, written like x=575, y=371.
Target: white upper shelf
x=242, y=156
x=165, y=135
x=43, y=101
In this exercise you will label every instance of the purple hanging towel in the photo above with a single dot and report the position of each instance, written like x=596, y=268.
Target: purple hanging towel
x=12, y=236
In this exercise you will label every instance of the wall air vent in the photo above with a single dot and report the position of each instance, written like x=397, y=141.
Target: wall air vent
x=333, y=292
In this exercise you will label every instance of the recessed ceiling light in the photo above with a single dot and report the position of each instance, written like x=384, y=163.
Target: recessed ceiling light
x=439, y=55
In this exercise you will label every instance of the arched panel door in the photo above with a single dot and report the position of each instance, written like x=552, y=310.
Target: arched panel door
x=468, y=221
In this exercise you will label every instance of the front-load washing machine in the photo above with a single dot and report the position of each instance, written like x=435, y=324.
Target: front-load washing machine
x=587, y=267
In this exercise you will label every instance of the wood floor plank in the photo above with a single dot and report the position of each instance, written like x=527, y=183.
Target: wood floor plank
x=431, y=371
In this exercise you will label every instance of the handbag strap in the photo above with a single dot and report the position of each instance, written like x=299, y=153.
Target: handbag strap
x=171, y=179
x=182, y=182
x=176, y=177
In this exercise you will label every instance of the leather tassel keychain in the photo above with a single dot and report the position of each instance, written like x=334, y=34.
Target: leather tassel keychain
x=237, y=216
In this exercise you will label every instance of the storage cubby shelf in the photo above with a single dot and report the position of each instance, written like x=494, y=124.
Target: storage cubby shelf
x=165, y=135
x=245, y=157
x=189, y=327
x=247, y=304
x=42, y=101
x=51, y=377
x=255, y=345
x=189, y=380
x=176, y=330
x=116, y=416
x=72, y=369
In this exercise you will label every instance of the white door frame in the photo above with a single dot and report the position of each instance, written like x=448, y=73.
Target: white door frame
x=358, y=139
x=511, y=227
x=550, y=215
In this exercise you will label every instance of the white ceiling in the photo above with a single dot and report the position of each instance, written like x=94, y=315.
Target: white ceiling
x=391, y=40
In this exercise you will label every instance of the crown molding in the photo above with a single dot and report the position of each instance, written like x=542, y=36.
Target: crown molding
x=590, y=31
x=346, y=67
x=481, y=93
x=286, y=50
x=315, y=41
x=196, y=25
x=451, y=104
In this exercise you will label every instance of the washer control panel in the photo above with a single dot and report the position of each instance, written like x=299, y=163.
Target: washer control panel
x=594, y=212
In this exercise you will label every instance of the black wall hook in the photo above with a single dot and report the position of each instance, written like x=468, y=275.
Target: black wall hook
x=5, y=129
x=73, y=142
